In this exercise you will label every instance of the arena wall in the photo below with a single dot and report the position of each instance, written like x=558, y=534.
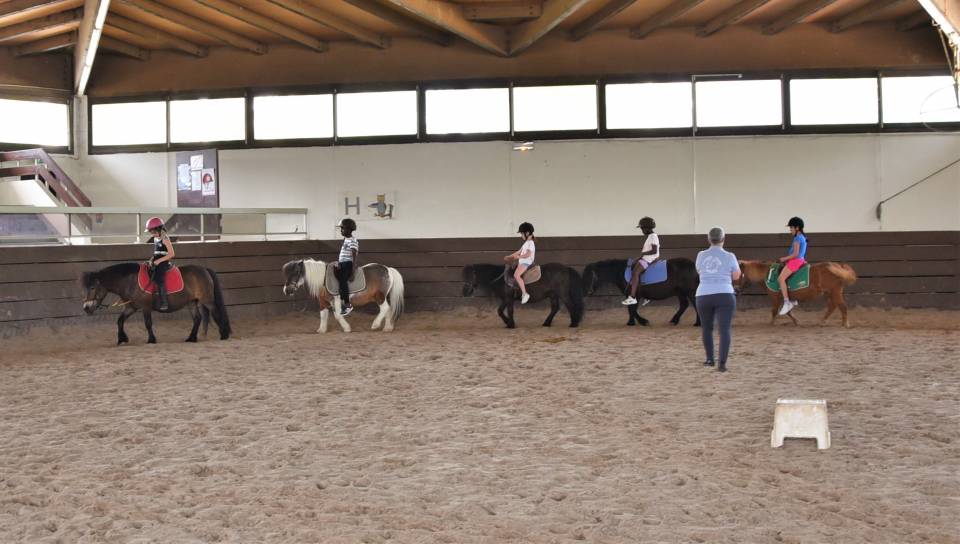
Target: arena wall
x=39, y=285
x=576, y=188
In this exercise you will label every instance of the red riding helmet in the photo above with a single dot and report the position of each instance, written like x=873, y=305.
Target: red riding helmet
x=154, y=223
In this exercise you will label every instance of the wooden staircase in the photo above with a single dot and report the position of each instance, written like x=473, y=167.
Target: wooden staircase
x=38, y=165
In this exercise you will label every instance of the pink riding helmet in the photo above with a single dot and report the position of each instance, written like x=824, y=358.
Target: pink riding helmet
x=153, y=223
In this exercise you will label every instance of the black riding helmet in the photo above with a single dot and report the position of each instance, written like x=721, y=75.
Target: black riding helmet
x=348, y=224
x=525, y=228
x=647, y=223
x=795, y=222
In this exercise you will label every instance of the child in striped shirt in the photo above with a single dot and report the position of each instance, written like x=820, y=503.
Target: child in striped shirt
x=346, y=262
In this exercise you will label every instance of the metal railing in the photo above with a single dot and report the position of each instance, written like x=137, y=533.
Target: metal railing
x=106, y=225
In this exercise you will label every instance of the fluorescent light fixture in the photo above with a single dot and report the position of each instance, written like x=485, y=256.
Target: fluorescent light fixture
x=523, y=146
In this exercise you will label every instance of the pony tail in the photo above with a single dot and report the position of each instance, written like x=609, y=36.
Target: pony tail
x=220, y=309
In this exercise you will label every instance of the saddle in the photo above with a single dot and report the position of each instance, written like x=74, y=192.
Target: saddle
x=532, y=275
x=798, y=280
x=356, y=284
x=656, y=272
x=174, y=280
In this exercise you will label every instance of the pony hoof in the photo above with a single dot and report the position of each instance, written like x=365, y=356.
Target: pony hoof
x=152, y=341
x=388, y=329
x=631, y=323
x=321, y=330
x=122, y=342
x=191, y=340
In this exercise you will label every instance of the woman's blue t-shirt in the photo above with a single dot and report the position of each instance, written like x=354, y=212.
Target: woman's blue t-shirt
x=715, y=266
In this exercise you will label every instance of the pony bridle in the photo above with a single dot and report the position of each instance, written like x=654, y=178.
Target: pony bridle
x=291, y=286
x=96, y=302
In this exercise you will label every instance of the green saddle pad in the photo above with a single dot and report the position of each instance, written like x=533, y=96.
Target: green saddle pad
x=798, y=280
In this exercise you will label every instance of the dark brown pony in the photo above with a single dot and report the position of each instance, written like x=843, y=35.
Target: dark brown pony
x=826, y=279
x=558, y=283
x=201, y=294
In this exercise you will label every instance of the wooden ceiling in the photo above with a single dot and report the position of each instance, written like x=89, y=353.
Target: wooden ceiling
x=136, y=29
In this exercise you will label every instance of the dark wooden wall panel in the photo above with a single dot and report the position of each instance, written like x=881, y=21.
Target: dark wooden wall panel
x=910, y=269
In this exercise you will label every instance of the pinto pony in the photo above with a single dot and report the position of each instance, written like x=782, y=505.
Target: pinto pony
x=201, y=294
x=384, y=287
x=826, y=279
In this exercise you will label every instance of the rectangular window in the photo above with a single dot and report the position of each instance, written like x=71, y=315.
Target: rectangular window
x=37, y=123
x=739, y=103
x=562, y=107
x=132, y=123
x=919, y=99
x=295, y=116
x=649, y=105
x=391, y=113
x=847, y=101
x=468, y=111
x=207, y=120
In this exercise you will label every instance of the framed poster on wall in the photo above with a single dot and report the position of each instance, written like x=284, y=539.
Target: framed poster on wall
x=198, y=186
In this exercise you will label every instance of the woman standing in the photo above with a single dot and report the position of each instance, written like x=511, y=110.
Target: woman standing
x=716, y=298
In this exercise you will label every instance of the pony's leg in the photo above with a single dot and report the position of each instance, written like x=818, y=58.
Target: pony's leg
x=632, y=315
x=831, y=306
x=684, y=303
x=324, y=319
x=554, y=308
x=642, y=321
x=337, y=305
x=511, y=324
x=381, y=316
x=148, y=323
x=692, y=297
x=195, y=312
x=842, y=304
x=121, y=334
x=775, y=311
x=502, y=314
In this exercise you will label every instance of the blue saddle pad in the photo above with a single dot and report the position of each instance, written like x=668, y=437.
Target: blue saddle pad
x=655, y=274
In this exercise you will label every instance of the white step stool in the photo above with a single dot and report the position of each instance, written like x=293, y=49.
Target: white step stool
x=800, y=419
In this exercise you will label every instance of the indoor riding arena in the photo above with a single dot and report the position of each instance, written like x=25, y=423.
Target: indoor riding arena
x=479, y=271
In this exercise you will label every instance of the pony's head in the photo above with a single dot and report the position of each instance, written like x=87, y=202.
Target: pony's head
x=591, y=280
x=93, y=291
x=293, y=277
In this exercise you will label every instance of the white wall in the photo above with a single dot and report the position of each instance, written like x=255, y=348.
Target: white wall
x=747, y=184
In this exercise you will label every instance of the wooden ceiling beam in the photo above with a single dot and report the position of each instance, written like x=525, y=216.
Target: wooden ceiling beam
x=730, y=17
x=663, y=17
x=126, y=49
x=88, y=42
x=527, y=9
x=591, y=23
x=450, y=18
x=324, y=17
x=402, y=21
x=245, y=15
x=16, y=11
x=914, y=21
x=56, y=24
x=554, y=12
x=139, y=29
x=197, y=25
x=46, y=45
x=861, y=15
x=795, y=15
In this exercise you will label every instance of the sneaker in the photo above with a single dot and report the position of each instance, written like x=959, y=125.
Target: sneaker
x=644, y=301
x=525, y=298
x=787, y=306
x=345, y=311
x=628, y=301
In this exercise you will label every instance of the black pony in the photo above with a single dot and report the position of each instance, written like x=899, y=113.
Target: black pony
x=558, y=283
x=682, y=282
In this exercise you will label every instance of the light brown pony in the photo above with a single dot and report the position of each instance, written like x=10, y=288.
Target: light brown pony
x=384, y=288
x=826, y=279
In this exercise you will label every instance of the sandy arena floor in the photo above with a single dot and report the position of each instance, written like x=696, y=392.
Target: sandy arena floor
x=455, y=430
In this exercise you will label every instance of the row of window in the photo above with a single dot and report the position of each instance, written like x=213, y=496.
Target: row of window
x=671, y=105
